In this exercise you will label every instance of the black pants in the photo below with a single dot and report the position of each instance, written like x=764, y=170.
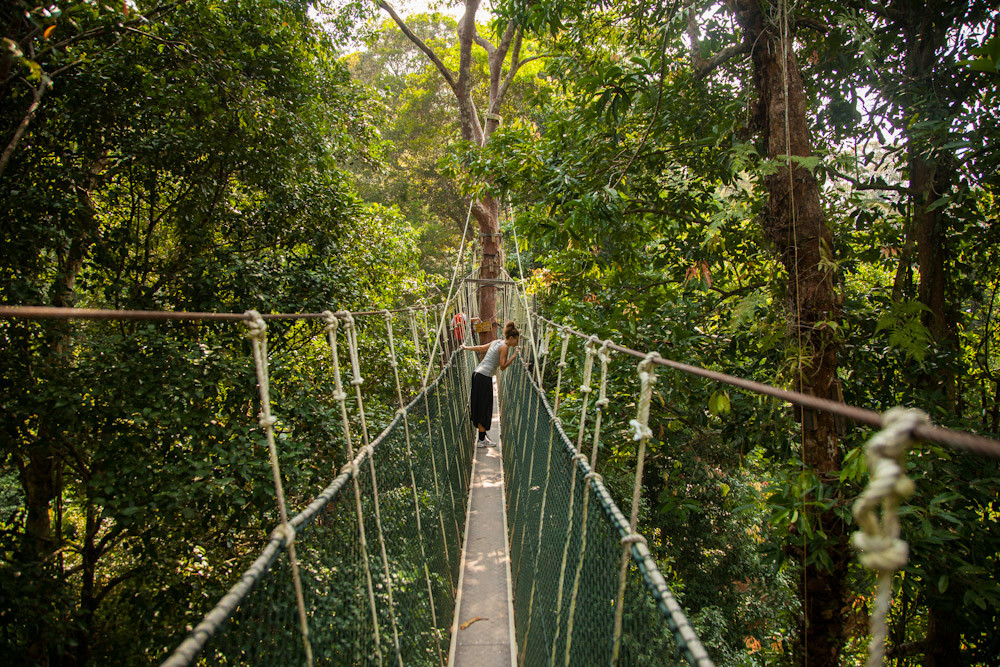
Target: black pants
x=481, y=400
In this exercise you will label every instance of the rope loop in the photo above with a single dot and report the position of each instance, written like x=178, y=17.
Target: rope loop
x=878, y=540
x=266, y=420
x=647, y=378
x=594, y=475
x=580, y=457
x=256, y=325
x=401, y=412
x=634, y=538
x=604, y=352
x=350, y=468
x=330, y=321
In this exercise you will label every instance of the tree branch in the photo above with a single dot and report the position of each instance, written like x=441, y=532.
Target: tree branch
x=485, y=43
x=858, y=185
x=702, y=67
x=23, y=126
x=515, y=65
x=419, y=43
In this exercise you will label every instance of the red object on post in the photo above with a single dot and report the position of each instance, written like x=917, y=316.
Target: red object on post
x=458, y=323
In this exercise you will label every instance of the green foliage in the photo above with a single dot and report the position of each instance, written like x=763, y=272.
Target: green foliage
x=190, y=160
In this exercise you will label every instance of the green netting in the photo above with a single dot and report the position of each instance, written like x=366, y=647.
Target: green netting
x=258, y=622
x=565, y=546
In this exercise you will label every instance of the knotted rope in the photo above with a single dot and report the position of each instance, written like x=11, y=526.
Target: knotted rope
x=350, y=331
x=413, y=482
x=258, y=342
x=545, y=488
x=588, y=364
x=647, y=378
x=332, y=324
x=878, y=540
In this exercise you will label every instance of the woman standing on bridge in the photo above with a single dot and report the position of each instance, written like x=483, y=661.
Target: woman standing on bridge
x=481, y=400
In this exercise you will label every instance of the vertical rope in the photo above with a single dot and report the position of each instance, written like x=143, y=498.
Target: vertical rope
x=258, y=342
x=647, y=378
x=585, y=389
x=878, y=540
x=599, y=405
x=339, y=395
x=352, y=345
x=413, y=482
x=545, y=488
x=412, y=317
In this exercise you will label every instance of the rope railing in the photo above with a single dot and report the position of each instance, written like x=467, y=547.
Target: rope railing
x=575, y=625
x=927, y=432
x=878, y=543
x=55, y=313
x=345, y=625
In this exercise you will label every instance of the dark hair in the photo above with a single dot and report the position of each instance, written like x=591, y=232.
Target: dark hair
x=510, y=330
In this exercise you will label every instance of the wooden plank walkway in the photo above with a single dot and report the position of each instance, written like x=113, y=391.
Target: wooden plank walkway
x=484, y=582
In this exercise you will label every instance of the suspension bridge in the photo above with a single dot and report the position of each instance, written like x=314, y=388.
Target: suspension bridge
x=373, y=570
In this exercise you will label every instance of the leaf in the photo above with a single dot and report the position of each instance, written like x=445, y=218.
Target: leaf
x=469, y=622
x=943, y=583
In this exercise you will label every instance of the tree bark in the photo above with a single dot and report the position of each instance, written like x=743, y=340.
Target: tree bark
x=486, y=210
x=794, y=222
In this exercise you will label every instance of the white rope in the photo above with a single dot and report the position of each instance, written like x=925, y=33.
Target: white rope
x=878, y=540
x=350, y=331
x=340, y=396
x=258, y=342
x=647, y=378
x=413, y=482
x=524, y=297
x=545, y=488
x=585, y=389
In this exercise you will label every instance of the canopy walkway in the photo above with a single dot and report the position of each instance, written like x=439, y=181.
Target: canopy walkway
x=370, y=571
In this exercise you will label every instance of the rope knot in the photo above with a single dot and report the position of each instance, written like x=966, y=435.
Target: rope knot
x=266, y=421
x=347, y=318
x=634, y=538
x=594, y=475
x=585, y=389
x=331, y=321
x=878, y=540
x=284, y=532
x=602, y=403
x=387, y=315
x=256, y=325
x=350, y=468
x=640, y=430
x=581, y=457
x=339, y=396
x=401, y=412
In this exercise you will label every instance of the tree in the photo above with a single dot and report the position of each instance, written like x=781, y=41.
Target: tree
x=504, y=55
x=195, y=167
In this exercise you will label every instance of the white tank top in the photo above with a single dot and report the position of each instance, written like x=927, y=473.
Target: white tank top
x=488, y=366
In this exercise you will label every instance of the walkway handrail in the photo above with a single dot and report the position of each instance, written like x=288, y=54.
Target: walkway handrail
x=944, y=436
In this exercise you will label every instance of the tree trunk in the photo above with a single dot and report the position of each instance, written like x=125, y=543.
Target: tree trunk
x=489, y=225
x=794, y=222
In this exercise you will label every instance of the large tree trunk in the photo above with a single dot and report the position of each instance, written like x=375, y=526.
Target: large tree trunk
x=506, y=51
x=794, y=222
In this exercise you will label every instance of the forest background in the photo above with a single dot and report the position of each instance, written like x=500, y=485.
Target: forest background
x=220, y=156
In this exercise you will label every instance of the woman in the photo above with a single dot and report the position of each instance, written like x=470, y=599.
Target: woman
x=481, y=402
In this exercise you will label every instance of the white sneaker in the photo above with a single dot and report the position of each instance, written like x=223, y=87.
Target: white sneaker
x=486, y=442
